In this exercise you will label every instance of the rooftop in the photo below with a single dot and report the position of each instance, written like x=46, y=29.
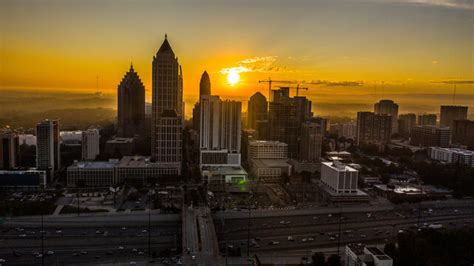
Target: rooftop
x=338, y=166
x=267, y=142
x=120, y=140
x=226, y=170
x=264, y=163
x=93, y=165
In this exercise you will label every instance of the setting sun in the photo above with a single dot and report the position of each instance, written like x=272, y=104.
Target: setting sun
x=233, y=77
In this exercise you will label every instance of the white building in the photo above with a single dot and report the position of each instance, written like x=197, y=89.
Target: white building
x=268, y=160
x=339, y=177
x=220, y=132
x=71, y=137
x=90, y=144
x=361, y=255
x=452, y=155
x=27, y=139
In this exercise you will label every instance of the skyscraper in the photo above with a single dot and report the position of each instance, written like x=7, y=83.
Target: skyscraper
x=204, y=85
x=220, y=131
x=167, y=107
x=90, y=144
x=449, y=113
x=427, y=120
x=204, y=89
x=463, y=132
x=48, y=155
x=9, y=149
x=373, y=128
x=428, y=136
x=388, y=107
x=257, y=110
x=406, y=122
x=311, y=141
x=131, y=105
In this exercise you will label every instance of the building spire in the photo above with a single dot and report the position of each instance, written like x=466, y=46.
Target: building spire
x=131, y=67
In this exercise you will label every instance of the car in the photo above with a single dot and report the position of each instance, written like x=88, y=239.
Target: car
x=141, y=253
x=144, y=231
x=133, y=263
x=50, y=252
x=310, y=239
x=363, y=236
x=290, y=238
x=329, y=215
x=274, y=243
x=2, y=260
x=193, y=257
x=124, y=228
x=59, y=232
x=134, y=250
x=98, y=232
x=83, y=252
x=332, y=238
x=120, y=248
x=22, y=235
x=39, y=256
x=304, y=240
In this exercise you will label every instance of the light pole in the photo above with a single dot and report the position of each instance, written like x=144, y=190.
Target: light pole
x=150, y=193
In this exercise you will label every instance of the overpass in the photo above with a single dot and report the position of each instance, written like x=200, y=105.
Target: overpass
x=200, y=245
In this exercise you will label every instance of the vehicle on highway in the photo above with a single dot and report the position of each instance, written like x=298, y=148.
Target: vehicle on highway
x=290, y=238
x=304, y=240
x=2, y=260
x=49, y=253
x=274, y=243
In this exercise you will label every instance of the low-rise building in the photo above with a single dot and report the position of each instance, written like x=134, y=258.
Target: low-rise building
x=427, y=136
x=270, y=170
x=339, y=177
x=452, y=155
x=22, y=180
x=119, y=147
x=225, y=178
x=140, y=167
x=91, y=174
x=361, y=255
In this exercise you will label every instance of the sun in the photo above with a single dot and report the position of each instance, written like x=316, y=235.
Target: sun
x=233, y=77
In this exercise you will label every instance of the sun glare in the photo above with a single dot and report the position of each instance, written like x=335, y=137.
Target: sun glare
x=233, y=77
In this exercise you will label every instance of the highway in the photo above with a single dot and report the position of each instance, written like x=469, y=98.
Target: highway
x=87, y=239
x=323, y=230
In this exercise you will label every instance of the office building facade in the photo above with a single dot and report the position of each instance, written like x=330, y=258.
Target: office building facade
x=130, y=105
x=373, y=128
x=257, y=110
x=90, y=144
x=427, y=120
x=9, y=149
x=450, y=113
x=48, y=146
x=388, y=107
x=428, y=136
x=463, y=132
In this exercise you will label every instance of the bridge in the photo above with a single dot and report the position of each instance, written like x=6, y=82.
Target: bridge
x=200, y=245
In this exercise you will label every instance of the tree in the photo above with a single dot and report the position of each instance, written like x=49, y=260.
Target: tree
x=334, y=260
x=318, y=259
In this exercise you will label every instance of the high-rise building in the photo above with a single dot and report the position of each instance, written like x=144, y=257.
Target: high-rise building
x=220, y=131
x=373, y=128
x=204, y=89
x=463, y=132
x=48, y=147
x=204, y=85
x=9, y=149
x=90, y=144
x=285, y=116
x=131, y=105
x=311, y=141
x=427, y=120
x=210, y=122
x=388, y=107
x=406, y=122
x=450, y=113
x=167, y=107
x=257, y=110
x=347, y=130
x=430, y=136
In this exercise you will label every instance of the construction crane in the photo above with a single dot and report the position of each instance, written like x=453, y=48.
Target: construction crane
x=270, y=81
x=298, y=88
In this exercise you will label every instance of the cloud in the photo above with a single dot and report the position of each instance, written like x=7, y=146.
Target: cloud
x=337, y=83
x=263, y=64
x=452, y=81
x=457, y=4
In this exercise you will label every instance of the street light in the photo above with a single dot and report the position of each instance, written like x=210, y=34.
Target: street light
x=150, y=193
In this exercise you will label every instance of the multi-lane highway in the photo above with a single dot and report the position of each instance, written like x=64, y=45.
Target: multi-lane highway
x=123, y=237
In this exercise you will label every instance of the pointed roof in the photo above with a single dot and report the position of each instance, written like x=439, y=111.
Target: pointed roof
x=165, y=46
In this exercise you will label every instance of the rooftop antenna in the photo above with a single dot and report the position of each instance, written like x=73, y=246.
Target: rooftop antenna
x=454, y=93
x=97, y=84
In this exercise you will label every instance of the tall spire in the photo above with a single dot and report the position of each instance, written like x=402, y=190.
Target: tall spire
x=166, y=47
x=131, y=67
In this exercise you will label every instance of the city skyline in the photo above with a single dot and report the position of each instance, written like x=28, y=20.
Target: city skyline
x=362, y=54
